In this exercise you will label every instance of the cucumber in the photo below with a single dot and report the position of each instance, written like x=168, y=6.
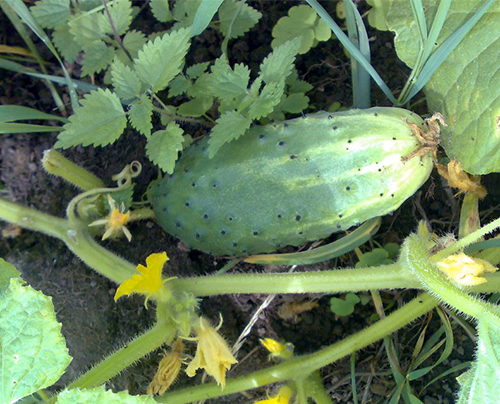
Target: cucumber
x=291, y=182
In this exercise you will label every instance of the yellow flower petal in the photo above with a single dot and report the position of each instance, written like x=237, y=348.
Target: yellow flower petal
x=212, y=354
x=466, y=270
x=149, y=281
x=283, y=397
x=168, y=369
x=277, y=349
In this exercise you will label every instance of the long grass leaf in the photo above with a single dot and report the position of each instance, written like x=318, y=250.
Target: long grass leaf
x=352, y=49
x=444, y=50
x=419, y=13
x=204, y=15
x=23, y=12
x=10, y=113
x=7, y=127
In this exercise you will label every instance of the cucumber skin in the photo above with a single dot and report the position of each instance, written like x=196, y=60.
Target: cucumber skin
x=291, y=182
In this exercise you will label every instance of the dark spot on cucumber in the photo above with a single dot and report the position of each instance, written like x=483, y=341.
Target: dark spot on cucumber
x=235, y=244
x=347, y=148
x=222, y=232
x=177, y=224
x=214, y=185
x=193, y=184
x=281, y=143
x=339, y=226
x=381, y=194
x=244, y=251
x=279, y=216
x=165, y=195
x=347, y=188
x=393, y=138
x=230, y=218
x=185, y=170
x=261, y=136
x=472, y=139
x=293, y=157
x=340, y=216
x=330, y=117
x=392, y=195
x=335, y=127
x=278, y=245
x=197, y=235
x=165, y=209
x=187, y=204
x=349, y=141
x=301, y=233
x=359, y=169
x=298, y=217
x=205, y=216
x=375, y=114
x=379, y=170
x=285, y=125
x=255, y=233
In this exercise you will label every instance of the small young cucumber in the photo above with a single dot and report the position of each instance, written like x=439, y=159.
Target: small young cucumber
x=291, y=182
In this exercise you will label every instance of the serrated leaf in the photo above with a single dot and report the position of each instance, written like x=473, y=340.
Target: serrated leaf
x=196, y=70
x=202, y=86
x=236, y=18
x=126, y=83
x=227, y=83
x=87, y=28
x=123, y=196
x=97, y=57
x=99, y=395
x=164, y=146
x=65, y=43
x=7, y=272
x=133, y=41
x=230, y=126
x=302, y=22
x=295, y=103
x=161, y=10
x=269, y=97
x=184, y=13
x=99, y=121
x=204, y=15
x=51, y=13
x=196, y=107
x=34, y=353
x=179, y=85
x=160, y=60
x=462, y=88
x=279, y=63
x=140, y=115
x=121, y=14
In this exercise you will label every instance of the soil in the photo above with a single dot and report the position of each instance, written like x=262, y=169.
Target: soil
x=94, y=325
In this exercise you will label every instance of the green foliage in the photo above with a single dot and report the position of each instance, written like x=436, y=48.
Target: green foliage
x=164, y=146
x=97, y=57
x=161, y=10
x=7, y=271
x=231, y=125
x=99, y=121
x=51, y=13
x=126, y=83
x=65, y=43
x=33, y=354
x=461, y=89
x=236, y=18
x=344, y=307
x=140, y=115
x=101, y=395
x=379, y=256
x=160, y=60
x=302, y=22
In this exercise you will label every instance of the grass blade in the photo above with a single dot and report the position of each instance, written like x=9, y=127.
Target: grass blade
x=7, y=127
x=9, y=113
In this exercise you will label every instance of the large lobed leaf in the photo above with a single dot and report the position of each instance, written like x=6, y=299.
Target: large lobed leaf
x=465, y=88
x=164, y=146
x=100, y=395
x=99, y=121
x=33, y=352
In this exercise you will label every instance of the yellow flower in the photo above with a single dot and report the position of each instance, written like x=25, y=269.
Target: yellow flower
x=115, y=221
x=149, y=282
x=465, y=270
x=168, y=369
x=277, y=349
x=212, y=354
x=283, y=397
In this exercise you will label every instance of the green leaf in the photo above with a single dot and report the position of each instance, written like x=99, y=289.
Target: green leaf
x=99, y=121
x=302, y=22
x=7, y=271
x=121, y=14
x=34, y=353
x=51, y=13
x=480, y=383
x=461, y=88
x=236, y=18
x=87, y=28
x=279, y=63
x=196, y=70
x=97, y=57
x=269, y=97
x=133, y=41
x=140, y=115
x=161, y=10
x=7, y=127
x=160, y=60
x=295, y=103
x=179, y=85
x=202, y=87
x=126, y=83
x=227, y=84
x=230, y=126
x=204, y=15
x=184, y=13
x=99, y=395
x=164, y=146
x=123, y=196
x=341, y=307
x=9, y=113
x=196, y=107
x=65, y=43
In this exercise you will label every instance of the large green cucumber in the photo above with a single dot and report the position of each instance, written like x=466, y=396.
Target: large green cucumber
x=291, y=182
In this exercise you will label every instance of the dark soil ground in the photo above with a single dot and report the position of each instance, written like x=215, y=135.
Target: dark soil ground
x=94, y=324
